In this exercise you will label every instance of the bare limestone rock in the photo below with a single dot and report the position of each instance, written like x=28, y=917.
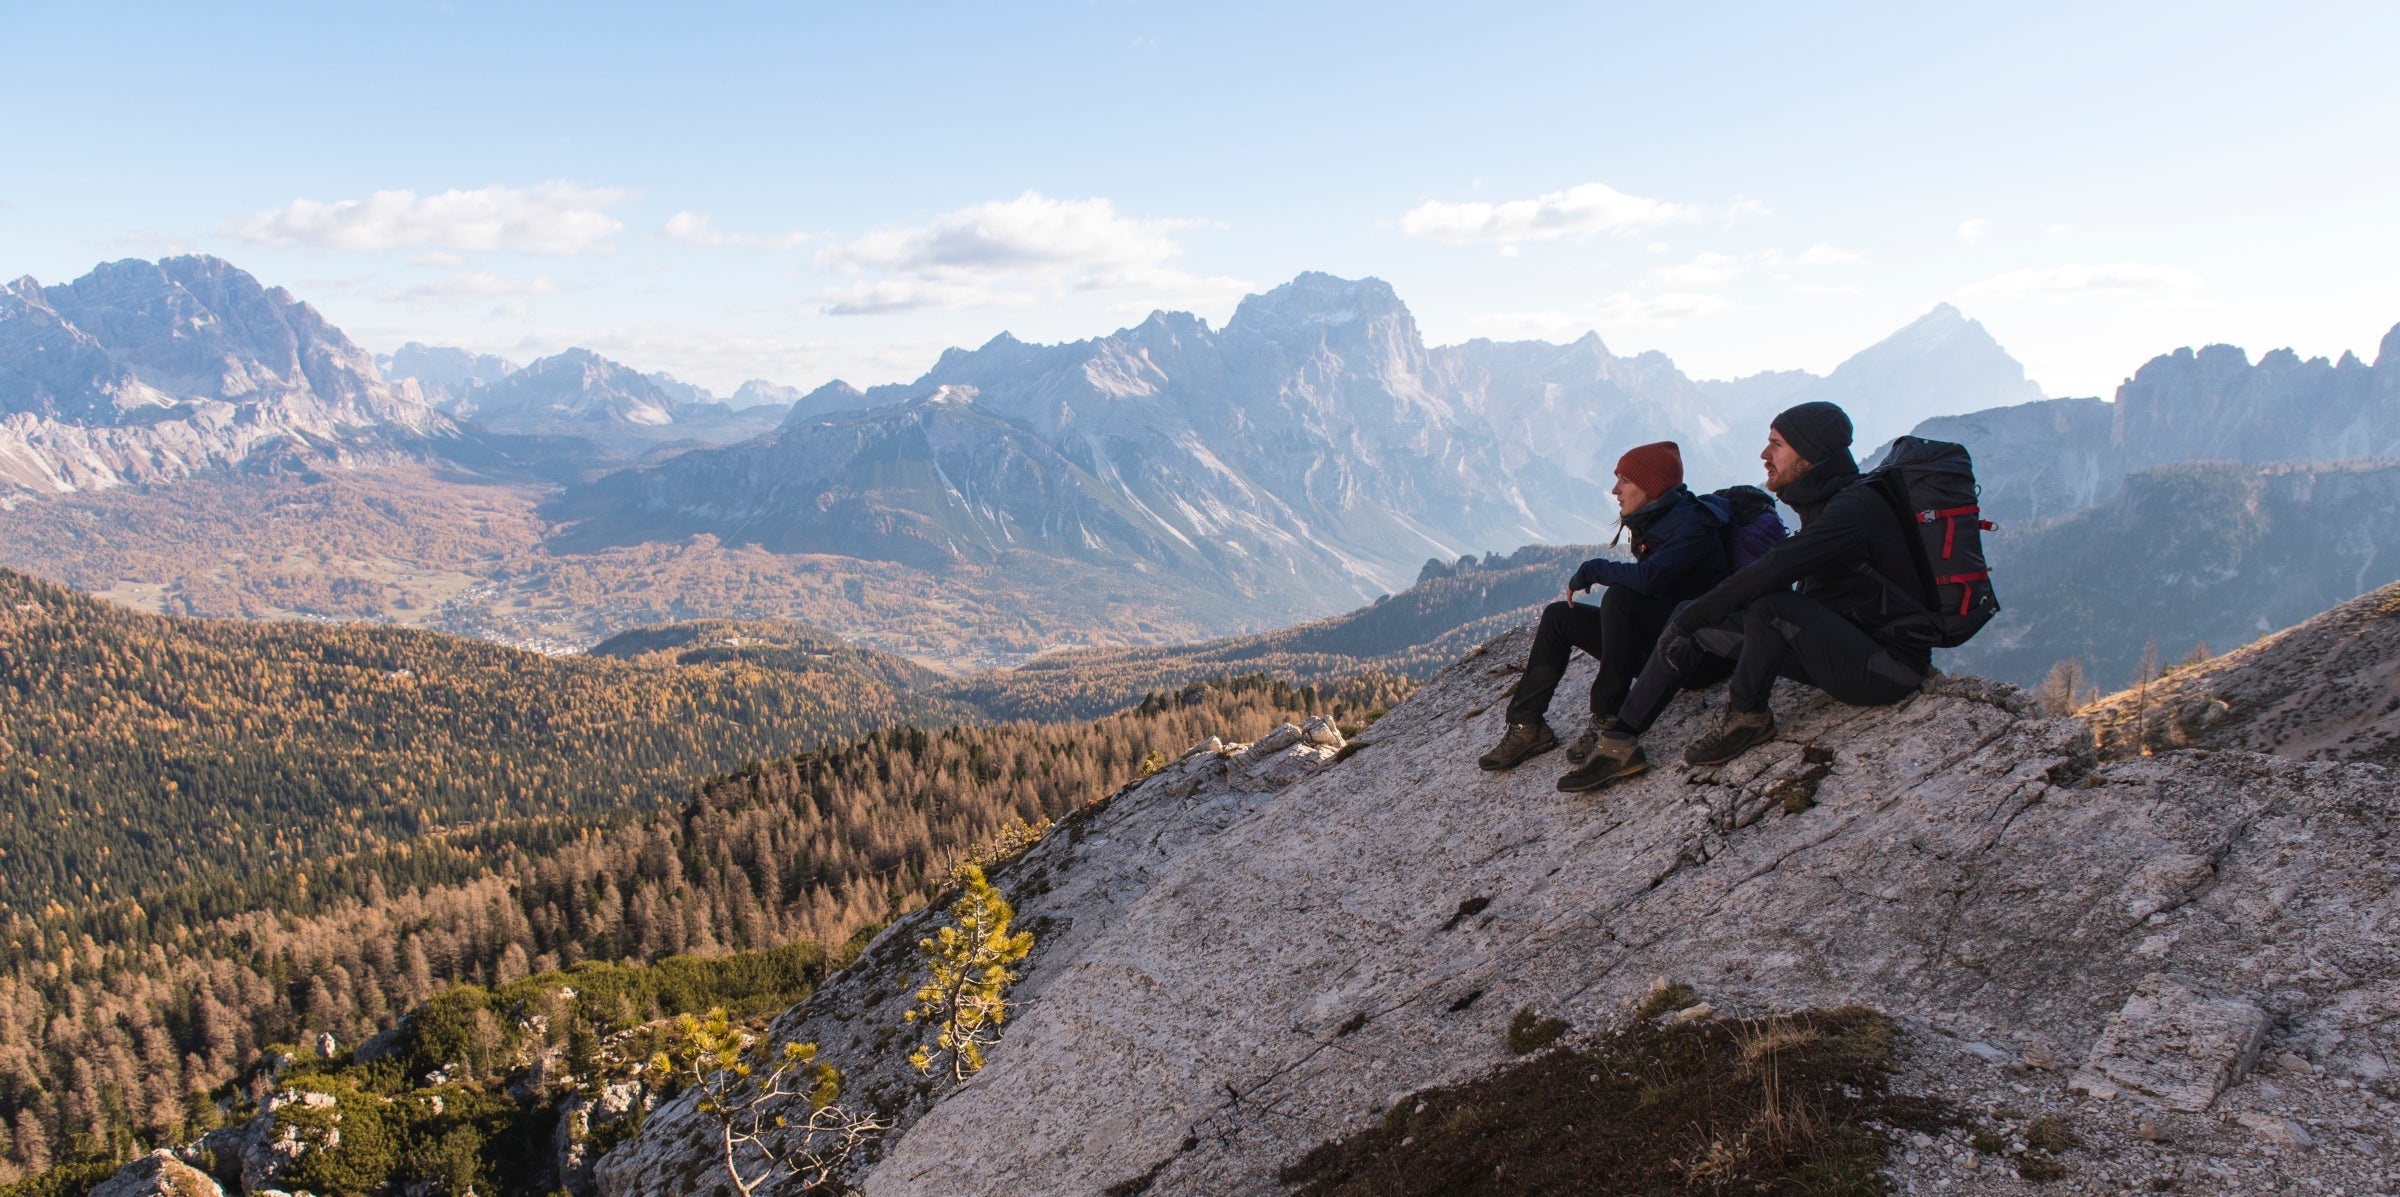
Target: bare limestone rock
x=1229, y=971
x=2174, y=1043
x=270, y=1144
x=158, y=1174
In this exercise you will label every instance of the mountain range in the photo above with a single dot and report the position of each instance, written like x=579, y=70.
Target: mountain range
x=1311, y=453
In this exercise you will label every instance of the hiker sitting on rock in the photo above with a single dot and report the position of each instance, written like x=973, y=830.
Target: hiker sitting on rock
x=1835, y=632
x=1678, y=552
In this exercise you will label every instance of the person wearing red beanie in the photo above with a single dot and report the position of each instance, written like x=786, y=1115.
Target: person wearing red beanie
x=1654, y=469
x=1678, y=553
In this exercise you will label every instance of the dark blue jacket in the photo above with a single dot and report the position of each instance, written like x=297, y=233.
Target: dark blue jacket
x=1678, y=551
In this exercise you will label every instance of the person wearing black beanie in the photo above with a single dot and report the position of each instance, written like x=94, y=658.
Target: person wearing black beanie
x=1817, y=431
x=1815, y=609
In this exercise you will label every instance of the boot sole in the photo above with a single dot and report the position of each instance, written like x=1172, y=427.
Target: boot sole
x=1604, y=782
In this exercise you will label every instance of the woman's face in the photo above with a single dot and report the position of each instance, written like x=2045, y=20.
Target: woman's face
x=1630, y=498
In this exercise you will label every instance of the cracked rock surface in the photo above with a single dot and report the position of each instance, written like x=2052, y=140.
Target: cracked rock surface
x=1240, y=958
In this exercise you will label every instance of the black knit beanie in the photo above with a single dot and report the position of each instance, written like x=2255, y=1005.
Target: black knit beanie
x=1816, y=431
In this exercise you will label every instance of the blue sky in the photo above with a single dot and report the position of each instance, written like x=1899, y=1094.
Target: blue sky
x=799, y=192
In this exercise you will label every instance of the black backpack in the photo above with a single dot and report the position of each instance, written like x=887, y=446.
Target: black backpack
x=1931, y=487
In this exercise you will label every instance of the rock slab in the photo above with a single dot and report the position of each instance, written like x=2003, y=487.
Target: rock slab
x=2175, y=1044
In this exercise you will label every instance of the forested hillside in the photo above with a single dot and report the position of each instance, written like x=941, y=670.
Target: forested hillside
x=112, y=1018
x=139, y=751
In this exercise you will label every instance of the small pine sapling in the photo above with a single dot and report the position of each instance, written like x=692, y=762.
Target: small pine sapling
x=967, y=975
x=714, y=1056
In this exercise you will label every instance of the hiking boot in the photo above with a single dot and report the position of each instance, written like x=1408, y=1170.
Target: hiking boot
x=1523, y=742
x=1613, y=758
x=1581, y=750
x=1735, y=735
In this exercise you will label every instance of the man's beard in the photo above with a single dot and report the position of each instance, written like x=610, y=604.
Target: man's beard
x=1776, y=482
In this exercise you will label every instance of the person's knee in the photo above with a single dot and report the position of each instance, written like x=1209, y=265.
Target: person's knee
x=1558, y=611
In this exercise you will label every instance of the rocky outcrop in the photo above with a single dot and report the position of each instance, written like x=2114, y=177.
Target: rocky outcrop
x=144, y=372
x=158, y=1174
x=1229, y=971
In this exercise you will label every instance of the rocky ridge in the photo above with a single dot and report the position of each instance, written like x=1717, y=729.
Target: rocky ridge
x=2045, y=459
x=2188, y=957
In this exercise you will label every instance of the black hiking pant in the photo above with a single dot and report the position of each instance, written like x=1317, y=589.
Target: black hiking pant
x=1619, y=633
x=1785, y=634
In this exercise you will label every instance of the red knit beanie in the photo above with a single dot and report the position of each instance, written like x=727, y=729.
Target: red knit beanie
x=1656, y=468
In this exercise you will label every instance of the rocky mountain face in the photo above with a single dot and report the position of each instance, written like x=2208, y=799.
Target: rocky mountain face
x=147, y=371
x=2186, y=959
x=580, y=394
x=2042, y=460
x=2206, y=552
x=1314, y=450
x=445, y=374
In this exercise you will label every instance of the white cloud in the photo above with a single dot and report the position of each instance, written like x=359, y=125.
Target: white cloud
x=2058, y=230
x=438, y=259
x=1706, y=270
x=550, y=218
x=691, y=228
x=476, y=284
x=1000, y=253
x=1658, y=247
x=1974, y=229
x=1576, y=212
x=1822, y=289
x=1825, y=253
x=2075, y=279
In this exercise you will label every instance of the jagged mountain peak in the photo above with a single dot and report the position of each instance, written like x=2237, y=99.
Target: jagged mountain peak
x=1321, y=307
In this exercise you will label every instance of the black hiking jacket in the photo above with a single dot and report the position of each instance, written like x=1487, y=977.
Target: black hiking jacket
x=1678, y=551
x=1843, y=526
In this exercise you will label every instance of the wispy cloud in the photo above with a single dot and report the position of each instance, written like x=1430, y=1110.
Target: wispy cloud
x=691, y=228
x=1582, y=211
x=1975, y=229
x=2075, y=279
x=1825, y=253
x=1006, y=253
x=550, y=218
x=476, y=284
x=887, y=296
